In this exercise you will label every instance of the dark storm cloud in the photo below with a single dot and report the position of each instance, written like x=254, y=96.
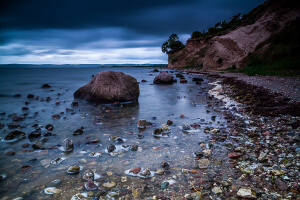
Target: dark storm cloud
x=65, y=28
x=140, y=15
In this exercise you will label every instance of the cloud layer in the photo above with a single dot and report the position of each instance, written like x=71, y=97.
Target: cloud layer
x=94, y=31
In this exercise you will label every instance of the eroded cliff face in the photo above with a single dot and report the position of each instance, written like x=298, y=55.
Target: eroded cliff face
x=226, y=51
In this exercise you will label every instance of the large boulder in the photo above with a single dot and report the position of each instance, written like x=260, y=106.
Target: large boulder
x=163, y=78
x=109, y=87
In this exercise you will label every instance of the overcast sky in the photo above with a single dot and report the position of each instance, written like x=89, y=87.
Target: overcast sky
x=103, y=32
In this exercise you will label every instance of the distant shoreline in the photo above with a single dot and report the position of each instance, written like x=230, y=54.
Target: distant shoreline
x=77, y=65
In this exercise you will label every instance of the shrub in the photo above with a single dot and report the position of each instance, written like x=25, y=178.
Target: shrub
x=172, y=44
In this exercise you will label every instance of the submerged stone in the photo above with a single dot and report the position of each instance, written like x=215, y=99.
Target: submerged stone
x=164, y=185
x=15, y=135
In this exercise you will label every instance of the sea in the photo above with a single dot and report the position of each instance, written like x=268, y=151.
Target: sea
x=30, y=173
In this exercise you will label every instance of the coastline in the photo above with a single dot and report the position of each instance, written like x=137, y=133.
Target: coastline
x=265, y=151
x=216, y=149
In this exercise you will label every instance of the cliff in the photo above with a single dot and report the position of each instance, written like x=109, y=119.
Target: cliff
x=231, y=47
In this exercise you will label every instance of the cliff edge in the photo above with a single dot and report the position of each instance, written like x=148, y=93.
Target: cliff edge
x=231, y=47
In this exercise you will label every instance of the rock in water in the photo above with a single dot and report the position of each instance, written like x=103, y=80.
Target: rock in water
x=67, y=145
x=163, y=78
x=38, y=145
x=109, y=87
x=142, y=123
x=135, y=170
x=74, y=169
x=15, y=134
x=90, y=185
x=88, y=174
x=110, y=148
x=46, y=86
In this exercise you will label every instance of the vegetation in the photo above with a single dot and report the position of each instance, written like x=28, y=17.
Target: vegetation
x=237, y=20
x=172, y=44
x=278, y=55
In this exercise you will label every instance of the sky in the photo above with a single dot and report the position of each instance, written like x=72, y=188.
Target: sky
x=104, y=32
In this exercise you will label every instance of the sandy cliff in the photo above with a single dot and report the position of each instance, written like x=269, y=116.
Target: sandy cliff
x=221, y=52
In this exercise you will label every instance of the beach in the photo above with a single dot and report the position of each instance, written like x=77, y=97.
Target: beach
x=209, y=145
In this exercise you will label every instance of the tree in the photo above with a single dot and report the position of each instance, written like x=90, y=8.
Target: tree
x=196, y=34
x=172, y=44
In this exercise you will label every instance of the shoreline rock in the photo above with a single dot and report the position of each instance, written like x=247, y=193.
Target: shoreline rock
x=110, y=87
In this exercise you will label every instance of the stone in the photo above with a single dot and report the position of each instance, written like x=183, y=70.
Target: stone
x=38, y=145
x=13, y=125
x=135, y=170
x=262, y=156
x=142, y=123
x=169, y=122
x=110, y=148
x=78, y=131
x=164, y=185
x=30, y=96
x=124, y=179
x=83, y=160
x=9, y=152
x=297, y=150
x=52, y=190
x=282, y=185
x=110, y=87
x=217, y=190
x=134, y=147
x=90, y=185
x=186, y=127
x=34, y=134
x=233, y=155
x=67, y=145
x=163, y=78
x=49, y=127
x=25, y=145
x=46, y=86
x=165, y=165
x=54, y=183
x=277, y=172
x=15, y=135
x=183, y=81
x=74, y=103
x=197, y=79
x=246, y=192
x=74, y=169
x=207, y=152
x=109, y=184
x=203, y=163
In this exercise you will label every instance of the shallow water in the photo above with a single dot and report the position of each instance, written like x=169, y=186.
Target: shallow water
x=157, y=104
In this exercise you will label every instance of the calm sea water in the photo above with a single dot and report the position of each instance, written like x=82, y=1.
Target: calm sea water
x=157, y=104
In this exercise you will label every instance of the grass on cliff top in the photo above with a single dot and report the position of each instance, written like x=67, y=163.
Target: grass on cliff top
x=278, y=55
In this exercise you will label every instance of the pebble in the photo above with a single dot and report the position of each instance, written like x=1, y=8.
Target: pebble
x=246, y=193
x=109, y=184
x=164, y=185
x=9, y=152
x=124, y=179
x=217, y=190
x=83, y=160
x=233, y=155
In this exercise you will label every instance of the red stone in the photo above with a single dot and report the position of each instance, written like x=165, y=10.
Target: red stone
x=135, y=170
x=25, y=168
x=233, y=155
x=266, y=133
x=41, y=153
